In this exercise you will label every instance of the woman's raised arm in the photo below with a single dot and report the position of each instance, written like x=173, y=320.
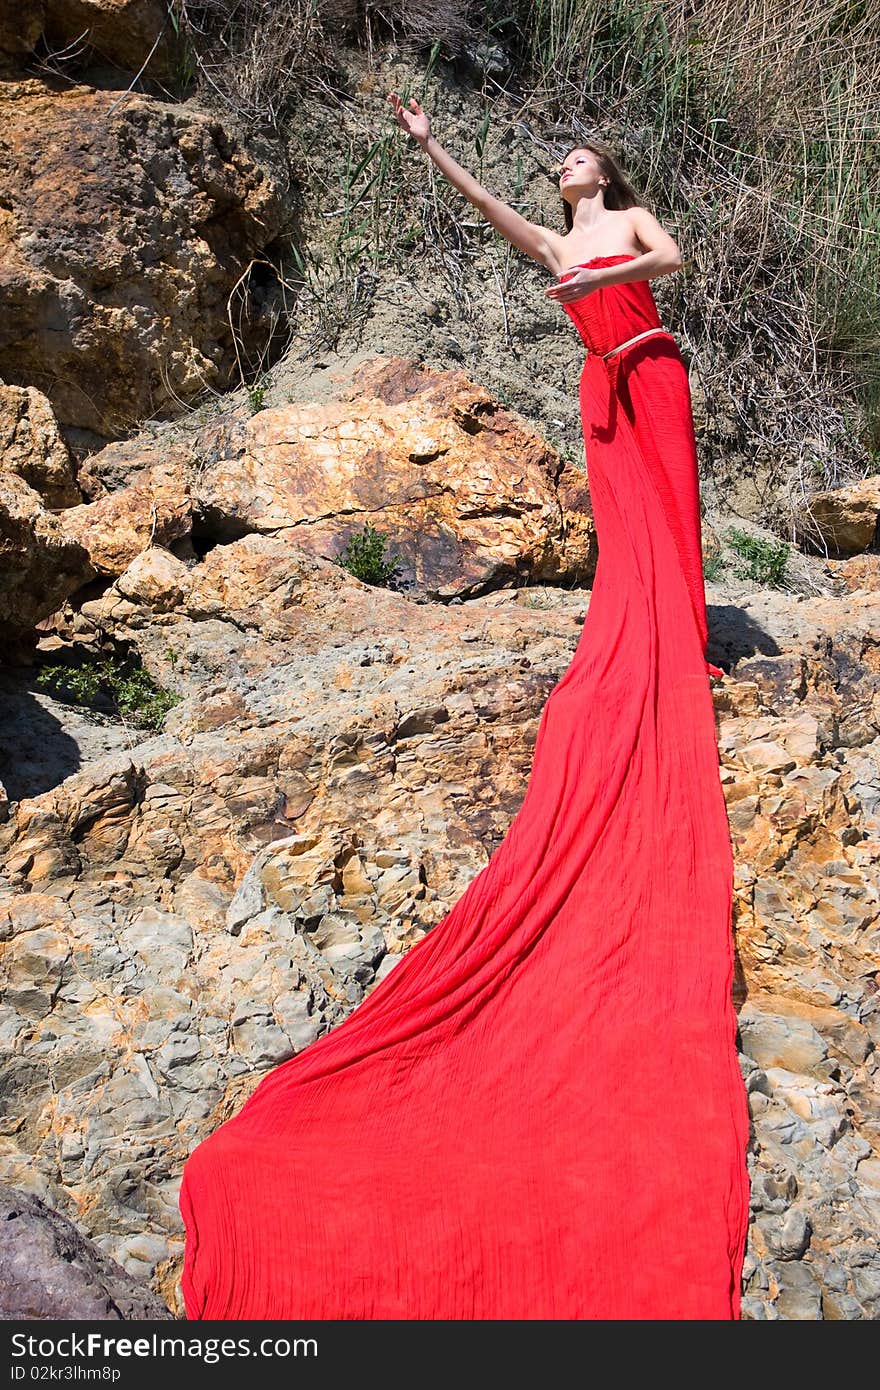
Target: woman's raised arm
x=527, y=236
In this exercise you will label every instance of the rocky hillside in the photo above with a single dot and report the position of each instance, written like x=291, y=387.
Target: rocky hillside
x=240, y=781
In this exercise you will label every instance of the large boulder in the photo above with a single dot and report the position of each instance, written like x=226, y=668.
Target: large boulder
x=154, y=509
x=844, y=520
x=463, y=489
x=466, y=493
x=39, y=565
x=20, y=28
x=31, y=446
x=127, y=222
x=125, y=33
x=133, y=35
x=49, y=1270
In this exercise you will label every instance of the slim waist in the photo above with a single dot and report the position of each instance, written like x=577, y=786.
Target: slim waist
x=629, y=342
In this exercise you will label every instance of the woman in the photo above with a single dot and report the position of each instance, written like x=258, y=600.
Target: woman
x=538, y=1113
x=650, y=382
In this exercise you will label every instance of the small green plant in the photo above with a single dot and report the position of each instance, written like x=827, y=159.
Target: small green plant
x=713, y=563
x=760, y=560
x=364, y=556
x=80, y=684
x=540, y=599
x=139, y=700
x=256, y=392
x=184, y=62
x=130, y=692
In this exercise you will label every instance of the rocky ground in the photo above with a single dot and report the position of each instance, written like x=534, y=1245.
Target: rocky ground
x=186, y=910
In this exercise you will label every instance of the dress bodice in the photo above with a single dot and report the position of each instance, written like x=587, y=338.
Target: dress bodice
x=610, y=315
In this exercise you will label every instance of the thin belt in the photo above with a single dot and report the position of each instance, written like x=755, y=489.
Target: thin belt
x=637, y=339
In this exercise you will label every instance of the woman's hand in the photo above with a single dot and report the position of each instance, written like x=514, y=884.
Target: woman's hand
x=414, y=121
x=525, y=235
x=577, y=285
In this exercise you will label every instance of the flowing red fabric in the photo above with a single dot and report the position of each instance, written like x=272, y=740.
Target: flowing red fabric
x=539, y=1112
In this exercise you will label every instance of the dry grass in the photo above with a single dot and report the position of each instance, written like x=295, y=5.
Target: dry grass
x=259, y=58
x=750, y=126
x=252, y=58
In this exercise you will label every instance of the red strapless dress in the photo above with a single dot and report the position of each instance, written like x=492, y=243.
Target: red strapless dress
x=538, y=1113
x=649, y=386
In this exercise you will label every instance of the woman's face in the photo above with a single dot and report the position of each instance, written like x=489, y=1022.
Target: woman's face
x=579, y=172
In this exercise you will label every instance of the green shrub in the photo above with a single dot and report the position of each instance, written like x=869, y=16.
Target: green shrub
x=760, y=560
x=132, y=694
x=364, y=556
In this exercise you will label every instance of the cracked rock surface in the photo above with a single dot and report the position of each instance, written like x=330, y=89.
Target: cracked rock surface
x=125, y=228
x=466, y=493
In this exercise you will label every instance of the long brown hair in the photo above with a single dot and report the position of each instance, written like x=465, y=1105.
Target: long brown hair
x=619, y=193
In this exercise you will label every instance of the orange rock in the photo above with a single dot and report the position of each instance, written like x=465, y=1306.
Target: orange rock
x=40, y=564
x=117, y=528
x=31, y=446
x=125, y=227
x=845, y=518
x=125, y=33
x=466, y=493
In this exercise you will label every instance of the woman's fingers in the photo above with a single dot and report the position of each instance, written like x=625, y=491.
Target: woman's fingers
x=397, y=108
x=577, y=287
x=400, y=111
x=564, y=294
